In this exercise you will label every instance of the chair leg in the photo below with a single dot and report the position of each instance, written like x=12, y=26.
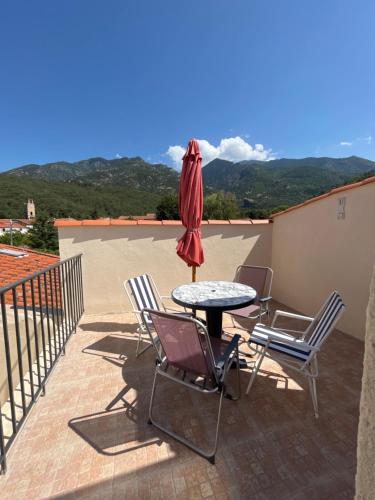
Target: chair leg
x=210, y=455
x=268, y=315
x=256, y=369
x=140, y=340
x=238, y=372
x=150, y=421
x=314, y=396
x=236, y=359
x=148, y=345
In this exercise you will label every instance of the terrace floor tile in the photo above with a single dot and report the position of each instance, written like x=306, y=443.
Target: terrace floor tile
x=88, y=437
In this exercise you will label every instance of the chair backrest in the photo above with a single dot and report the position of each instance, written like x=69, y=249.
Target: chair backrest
x=142, y=294
x=326, y=319
x=185, y=342
x=259, y=278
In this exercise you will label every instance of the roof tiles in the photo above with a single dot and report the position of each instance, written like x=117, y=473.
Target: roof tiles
x=13, y=269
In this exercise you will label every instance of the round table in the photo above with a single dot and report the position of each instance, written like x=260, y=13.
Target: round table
x=214, y=297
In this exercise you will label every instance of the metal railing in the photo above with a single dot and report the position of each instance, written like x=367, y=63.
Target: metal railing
x=38, y=314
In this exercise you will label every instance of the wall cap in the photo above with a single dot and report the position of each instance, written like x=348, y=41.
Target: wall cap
x=144, y=222
x=334, y=191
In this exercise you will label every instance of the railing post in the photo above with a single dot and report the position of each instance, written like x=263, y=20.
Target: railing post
x=3, y=461
x=36, y=340
x=8, y=362
x=42, y=326
x=59, y=332
x=19, y=349
x=28, y=343
x=48, y=321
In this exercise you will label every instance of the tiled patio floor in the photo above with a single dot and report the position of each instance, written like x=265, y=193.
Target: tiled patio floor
x=89, y=438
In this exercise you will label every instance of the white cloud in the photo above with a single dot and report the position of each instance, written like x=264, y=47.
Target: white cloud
x=368, y=140
x=118, y=156
x=232, y=148
x=176, y=153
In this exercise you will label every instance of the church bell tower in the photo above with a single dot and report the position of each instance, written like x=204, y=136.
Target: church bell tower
x=30, y=209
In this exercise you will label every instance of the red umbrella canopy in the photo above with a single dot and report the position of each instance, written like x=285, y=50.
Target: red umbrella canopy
x=189, y=246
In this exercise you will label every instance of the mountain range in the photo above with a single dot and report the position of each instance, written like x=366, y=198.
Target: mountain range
x=129, y=186
x=259, y=184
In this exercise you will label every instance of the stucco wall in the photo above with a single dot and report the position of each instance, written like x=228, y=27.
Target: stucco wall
x=112, y=254
x=314, y=252
x=366, y=431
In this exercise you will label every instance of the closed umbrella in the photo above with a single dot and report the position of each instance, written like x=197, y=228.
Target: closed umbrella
x=190, y=201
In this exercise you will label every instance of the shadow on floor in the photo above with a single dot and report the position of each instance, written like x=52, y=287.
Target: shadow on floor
x=113, y=432
x=104, y=326
x=112, y=344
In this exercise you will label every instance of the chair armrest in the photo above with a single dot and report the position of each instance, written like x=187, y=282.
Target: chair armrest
x=287, y=314
x=168, y=297
x=292, y=341
x=170, y=309
x=228, y=351
x=264, y=299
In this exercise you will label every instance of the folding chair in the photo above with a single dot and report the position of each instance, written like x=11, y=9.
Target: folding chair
x=188, y=352
x=299, y=354
x=143, y=294
x=259, y=278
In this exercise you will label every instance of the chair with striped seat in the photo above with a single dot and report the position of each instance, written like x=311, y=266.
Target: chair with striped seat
x=143, y=294
x=298, y=353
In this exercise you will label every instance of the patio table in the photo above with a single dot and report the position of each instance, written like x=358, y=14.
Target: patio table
x=214, y=297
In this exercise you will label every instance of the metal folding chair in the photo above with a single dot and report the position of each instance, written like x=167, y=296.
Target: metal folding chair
x=259, y=278
x=143, y=293
x=192, y=359
x=298, y=352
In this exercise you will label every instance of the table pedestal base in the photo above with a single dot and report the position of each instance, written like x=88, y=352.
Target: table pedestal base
x=214, y=322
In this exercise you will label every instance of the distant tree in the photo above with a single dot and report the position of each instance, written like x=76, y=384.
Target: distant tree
x=258, y=213
x=215, y=206
x=94, y=214
x=167, y=208
x=221, y=206
x=18, y=239
x=280, y=208
x=43, y=236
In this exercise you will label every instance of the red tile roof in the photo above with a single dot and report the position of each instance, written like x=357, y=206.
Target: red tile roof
x=144, y=222
x=369, y=180
x=15, y=268
x=5, y=223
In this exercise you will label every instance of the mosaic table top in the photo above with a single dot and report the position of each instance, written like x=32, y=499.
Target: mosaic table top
x=215, y=294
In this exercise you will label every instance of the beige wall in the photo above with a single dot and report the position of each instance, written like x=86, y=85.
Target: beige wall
x=314, y=253
x=366, y=429
x=112, y=254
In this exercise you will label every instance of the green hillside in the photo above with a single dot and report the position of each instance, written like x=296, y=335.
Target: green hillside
x=130, y=186
x=58, y=199
x=133, y=173
x=265, y=185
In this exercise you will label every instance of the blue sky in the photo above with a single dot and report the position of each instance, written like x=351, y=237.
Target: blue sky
x=84, y=78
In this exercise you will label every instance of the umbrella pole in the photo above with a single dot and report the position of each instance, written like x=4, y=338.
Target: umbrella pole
x=193, y=274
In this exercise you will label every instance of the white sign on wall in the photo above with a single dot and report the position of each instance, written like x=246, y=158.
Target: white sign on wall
x=341, y=208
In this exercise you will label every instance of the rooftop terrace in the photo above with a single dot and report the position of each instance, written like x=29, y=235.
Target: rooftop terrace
x=88, y=437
